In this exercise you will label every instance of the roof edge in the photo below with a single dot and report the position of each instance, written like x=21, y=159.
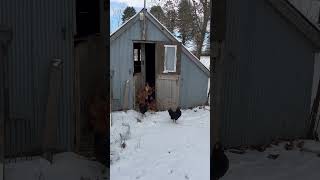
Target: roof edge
x=299, y=20
x=162, y=28
x=173, y=38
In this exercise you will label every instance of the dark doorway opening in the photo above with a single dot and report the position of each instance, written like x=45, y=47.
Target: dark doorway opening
x=150, y=64
x=87, y=17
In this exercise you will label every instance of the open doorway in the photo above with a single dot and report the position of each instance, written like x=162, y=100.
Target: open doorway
x=144, y=67
x=90, y=68
x=150, y=64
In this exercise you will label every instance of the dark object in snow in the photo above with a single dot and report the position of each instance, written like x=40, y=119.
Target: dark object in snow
x=275, y=142
x=273, y=156
x=186, y=176
x=300, y=144
x=123, y=145
x=195, y=110
x=288, y=146
x=143, y=108
x=175, y=114
x=220, y=161
x=260, y=148
x=237, y=151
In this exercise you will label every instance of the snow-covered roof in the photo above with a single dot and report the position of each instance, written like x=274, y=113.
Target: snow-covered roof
x=163, y=29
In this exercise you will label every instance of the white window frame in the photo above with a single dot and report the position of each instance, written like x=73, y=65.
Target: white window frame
x=165, y=60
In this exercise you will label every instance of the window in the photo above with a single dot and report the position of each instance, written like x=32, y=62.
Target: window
x=137, y=54
x=136, y=58
x=170, y=58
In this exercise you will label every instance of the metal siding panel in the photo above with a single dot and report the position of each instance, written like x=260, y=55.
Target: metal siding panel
x=154, y=34
x=20, y=69
x=34, y=44
x=193, y=85
x=266, y=88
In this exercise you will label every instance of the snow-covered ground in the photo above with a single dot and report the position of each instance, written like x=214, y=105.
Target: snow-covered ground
x=65, y=166
x=205, y=60
x=158, y=149
x=292, y=164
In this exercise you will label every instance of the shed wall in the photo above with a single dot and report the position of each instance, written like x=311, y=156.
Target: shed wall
x=121, y=52
x=266, y=88
x=35, y=43
x=193, y=78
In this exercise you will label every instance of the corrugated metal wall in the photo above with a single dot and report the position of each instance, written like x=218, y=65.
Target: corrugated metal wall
x=42, y=31
x=191, y=79
x=121, y=67
x=266, y=88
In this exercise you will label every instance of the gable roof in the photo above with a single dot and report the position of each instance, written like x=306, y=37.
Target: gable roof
x=164, y=30
x=302, y=23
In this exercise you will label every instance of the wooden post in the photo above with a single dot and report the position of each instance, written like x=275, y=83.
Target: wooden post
x=52, y=112
x=218, y=13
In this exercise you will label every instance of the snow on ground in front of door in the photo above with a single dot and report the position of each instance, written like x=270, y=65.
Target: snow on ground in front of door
x=293, y=164
x=65, y=166
x=158, y=149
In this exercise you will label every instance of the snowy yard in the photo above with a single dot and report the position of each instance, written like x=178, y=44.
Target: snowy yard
x=66, y=166
x=291, y=164
x=158, y=149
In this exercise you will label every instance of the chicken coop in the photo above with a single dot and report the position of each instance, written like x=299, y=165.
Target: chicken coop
x=143, y=51
x=265, y=54
x=54, y=60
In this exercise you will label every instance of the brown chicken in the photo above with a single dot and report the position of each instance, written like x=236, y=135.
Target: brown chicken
x=145, y=99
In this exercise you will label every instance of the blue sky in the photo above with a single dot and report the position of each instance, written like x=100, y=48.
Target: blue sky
x=117, y=7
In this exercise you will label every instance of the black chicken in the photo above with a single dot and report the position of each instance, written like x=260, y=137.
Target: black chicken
x=175, y=114
x=220, y=162
x=143, y=108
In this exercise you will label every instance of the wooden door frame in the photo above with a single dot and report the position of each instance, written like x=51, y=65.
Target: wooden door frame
x=143, y=67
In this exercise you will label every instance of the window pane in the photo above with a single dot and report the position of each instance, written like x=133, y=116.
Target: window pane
x=170, y=59
x=135, y=54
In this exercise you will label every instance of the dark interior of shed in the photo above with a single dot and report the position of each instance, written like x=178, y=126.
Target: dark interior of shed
x=149, y=62
x=87, y=17
x=90, y=69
